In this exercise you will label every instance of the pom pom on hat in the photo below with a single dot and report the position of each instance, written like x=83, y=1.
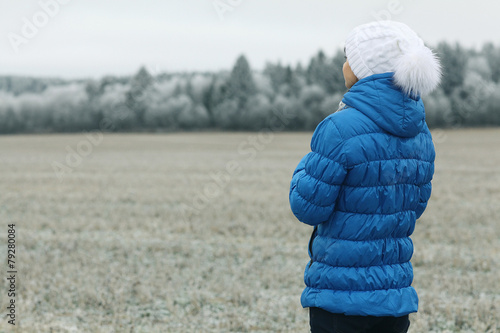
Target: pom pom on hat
x=388, y=46
x=417, y=71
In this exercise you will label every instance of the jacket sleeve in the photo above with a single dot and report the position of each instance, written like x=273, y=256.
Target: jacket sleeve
x=425, y=194
x=426, y=187
x=318, y=177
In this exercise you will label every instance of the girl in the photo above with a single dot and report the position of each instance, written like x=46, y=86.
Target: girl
x=365, y=183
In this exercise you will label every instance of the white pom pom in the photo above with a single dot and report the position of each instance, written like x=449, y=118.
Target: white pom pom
x=417, y=71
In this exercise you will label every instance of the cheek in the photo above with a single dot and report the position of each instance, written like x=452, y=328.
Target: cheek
x=346, y=73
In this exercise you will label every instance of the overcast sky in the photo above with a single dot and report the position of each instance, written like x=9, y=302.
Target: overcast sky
x=90, y=38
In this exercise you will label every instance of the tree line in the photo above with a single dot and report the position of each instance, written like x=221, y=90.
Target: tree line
x=239, y=99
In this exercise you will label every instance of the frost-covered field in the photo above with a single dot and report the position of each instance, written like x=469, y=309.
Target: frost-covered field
x=193, y=233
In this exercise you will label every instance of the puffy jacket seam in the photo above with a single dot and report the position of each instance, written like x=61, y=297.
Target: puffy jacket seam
x=360, y=291
x=312, y=203
x=337, y=266
x=330, y=159
x=390, y=159
x=324, y=182
x=377, y=132
x=361, y=240
x=343, y=143
x=343, y=266
x=363, y=134
x=335, y=125
x=354, y=186
x=398, y=212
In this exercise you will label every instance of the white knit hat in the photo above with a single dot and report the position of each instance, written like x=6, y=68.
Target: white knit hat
x=388, y=46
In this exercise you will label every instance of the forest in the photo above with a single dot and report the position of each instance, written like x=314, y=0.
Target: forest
x=239, y=99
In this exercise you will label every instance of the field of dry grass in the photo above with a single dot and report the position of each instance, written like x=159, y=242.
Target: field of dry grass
x=193, y=233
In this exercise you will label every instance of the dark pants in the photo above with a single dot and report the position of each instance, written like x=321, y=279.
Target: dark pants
x=322, y=321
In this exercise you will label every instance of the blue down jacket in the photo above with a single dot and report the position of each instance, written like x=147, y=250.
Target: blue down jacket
x=364, y=184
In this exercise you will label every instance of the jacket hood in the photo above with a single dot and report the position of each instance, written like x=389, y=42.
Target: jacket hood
x=387, y=105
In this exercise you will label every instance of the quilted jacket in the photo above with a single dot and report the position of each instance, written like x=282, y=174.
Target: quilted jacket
x=364, y=184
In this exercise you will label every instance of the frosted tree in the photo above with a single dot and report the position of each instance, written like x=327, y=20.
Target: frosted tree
x=321, y=72
x=277, y=75
x=336, y=75
x=311, y=99
x=209, y=100
x=241, y=84
x=453, y=59
x=492, y=55
x=135, y=97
